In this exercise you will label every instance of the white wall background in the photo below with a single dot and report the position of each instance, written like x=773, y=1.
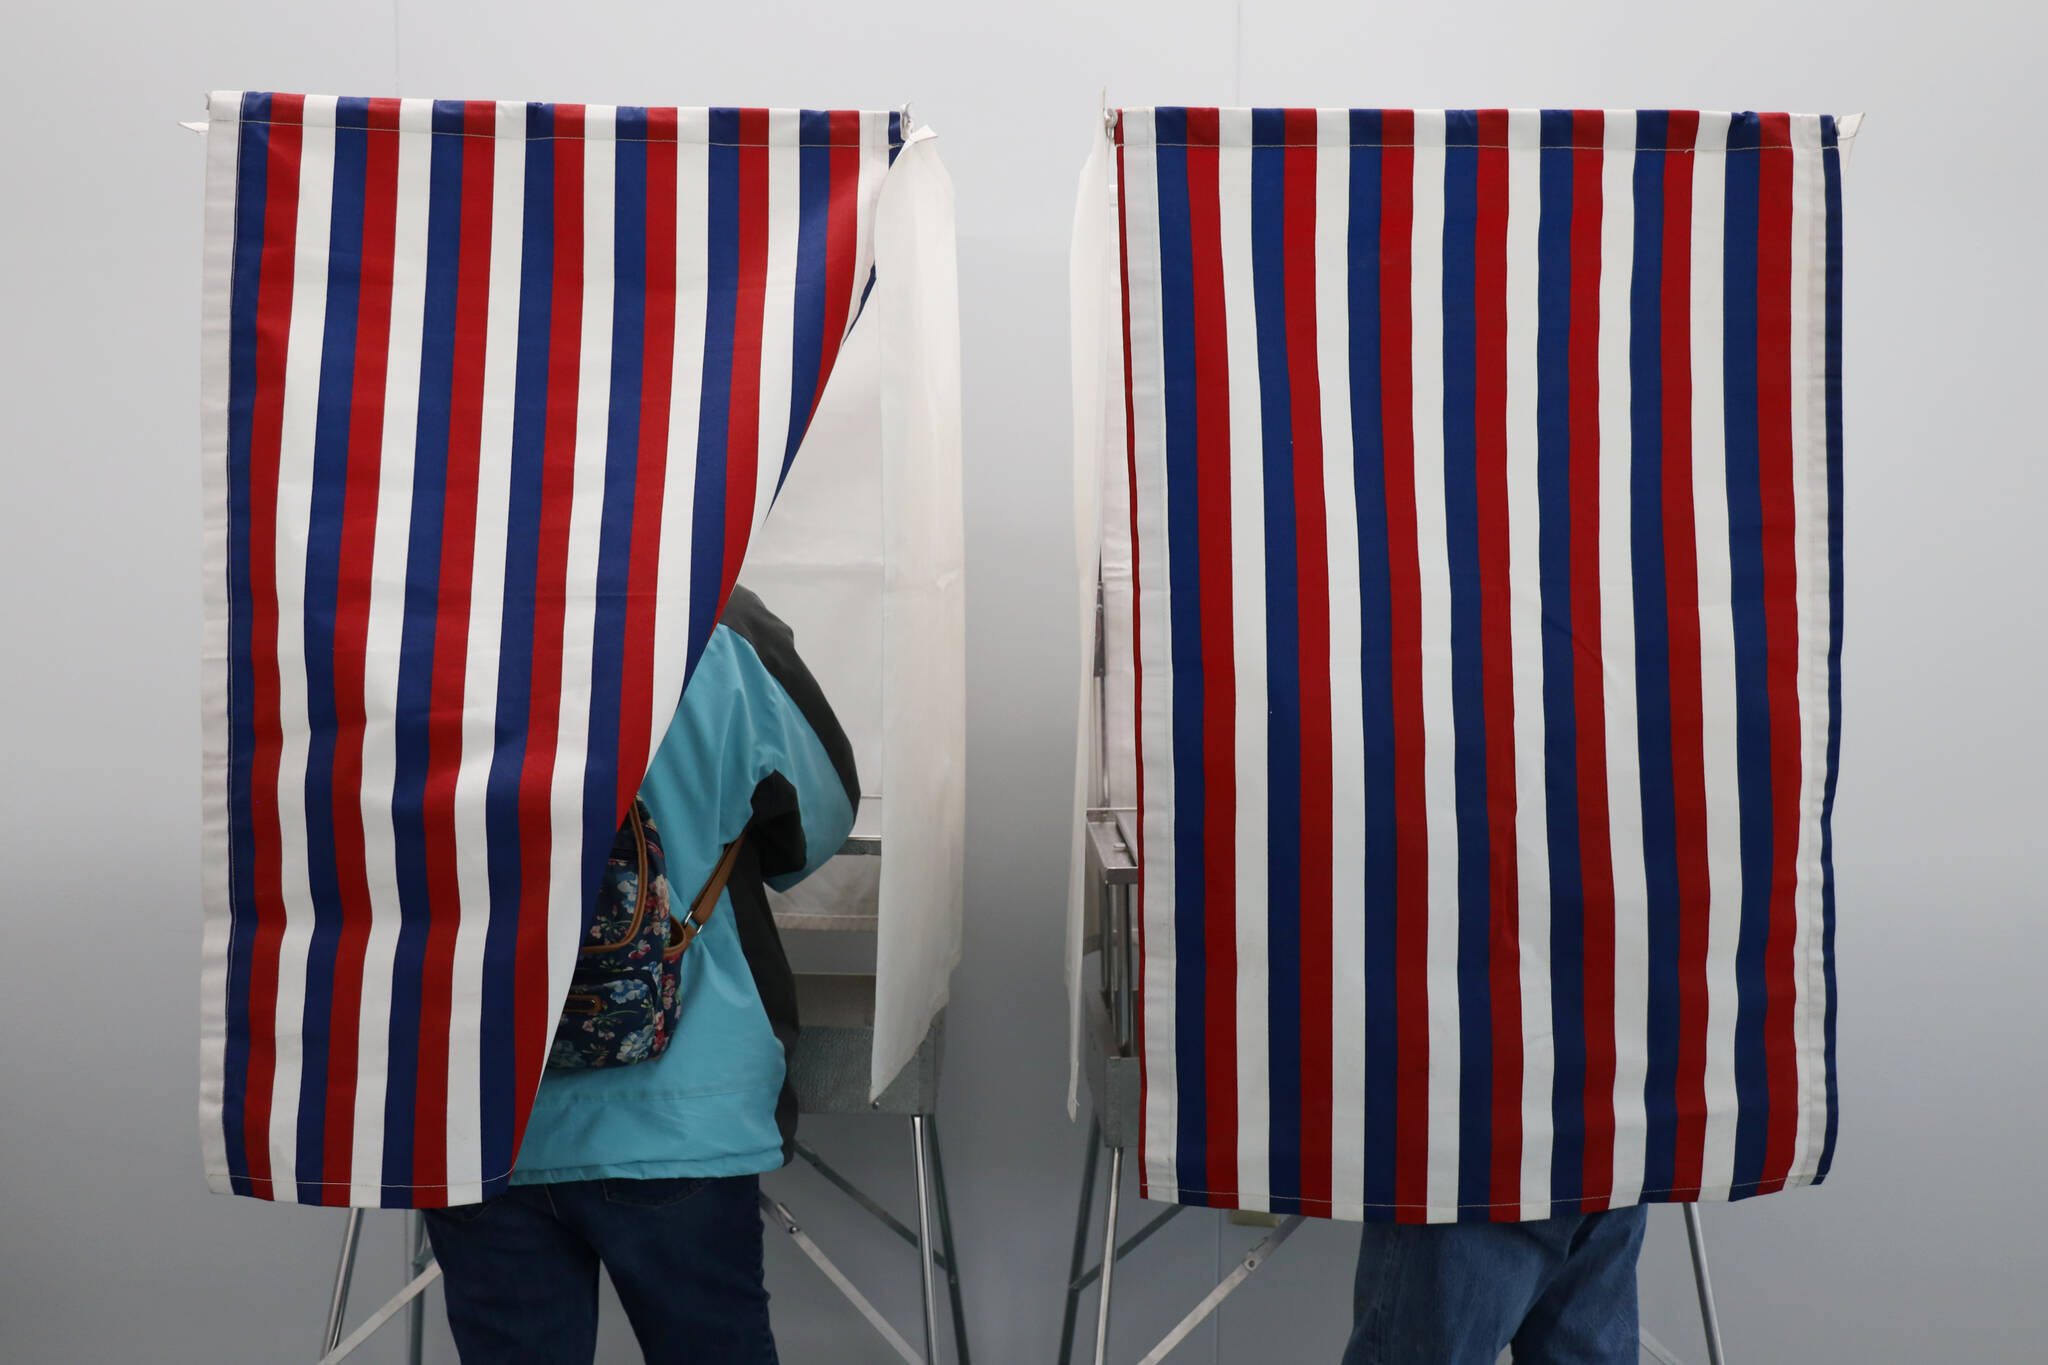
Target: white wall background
x=1929, y=1242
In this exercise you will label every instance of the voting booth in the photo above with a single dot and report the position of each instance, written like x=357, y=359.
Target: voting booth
x=500, y=400
x=1459, y=503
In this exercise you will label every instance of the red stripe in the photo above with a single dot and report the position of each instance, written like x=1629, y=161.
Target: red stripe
x=451, y=646
x=842, y=236
x=1682, y=603
x=1504, y=939
x=743, y=425
x=1312, y=573
x=273, y=336
x=1219, y=677
x=351, y=630
x=1781, y=630
x=1411, y=895
x=1137, y=655
x=532, y=1006
x=1589, y=707
x=657, y=370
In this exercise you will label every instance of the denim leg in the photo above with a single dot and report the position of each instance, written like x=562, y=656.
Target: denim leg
x=521, y=1287
x=1446, y=1293
x=1586, y=1315
x=685, y=1256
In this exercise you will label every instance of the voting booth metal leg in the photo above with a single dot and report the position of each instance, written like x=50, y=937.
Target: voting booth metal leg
x=1075, y=1283
x=951, y=1262
x=1710, y=1316
x=932, y=1240
x=422, y=1272
x=337, y=1303
x=926, y=1275
x=1116, y=1182
x=1104, y=1272
x=422, y=1256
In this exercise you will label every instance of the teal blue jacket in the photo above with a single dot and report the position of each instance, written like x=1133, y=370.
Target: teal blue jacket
x=752, y=747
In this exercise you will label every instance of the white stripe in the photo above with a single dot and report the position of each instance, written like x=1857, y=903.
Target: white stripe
x=1347, y=704
x=480, y=666
x=874, y=164
x=566, y=907
x=1618, y=659
x=223, y=142
x=778, y=314
x=1717, y=653
x=686, y=395
x=1810, y=509
x=300, y=420
x=1155, y=647
x=1248, y=628
x=1525, y=628
x=383, y=635
x=1439, y=725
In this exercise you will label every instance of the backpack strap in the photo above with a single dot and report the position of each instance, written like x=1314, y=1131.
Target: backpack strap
x=683, y=930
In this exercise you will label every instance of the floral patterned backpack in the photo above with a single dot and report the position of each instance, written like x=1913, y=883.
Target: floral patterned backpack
x=623, y=1002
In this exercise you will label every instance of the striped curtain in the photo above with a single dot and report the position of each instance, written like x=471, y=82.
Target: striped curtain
x=1484, y=494
x=494, y=396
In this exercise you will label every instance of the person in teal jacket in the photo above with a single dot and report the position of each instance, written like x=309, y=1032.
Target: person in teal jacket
x=652, y=1170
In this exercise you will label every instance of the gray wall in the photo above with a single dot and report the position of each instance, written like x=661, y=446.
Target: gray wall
x=1928, y=1242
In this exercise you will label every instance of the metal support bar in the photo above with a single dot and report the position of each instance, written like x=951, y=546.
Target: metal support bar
x=1710, y=1317
x=862, y=1198
x=403, y=1298
x=1080, y=1240
x=1130, y=1244
x=950, y=1260
x=1253, y=1259
x=1658, y=1349
x=337, y=1304
x=782, y=1215
x=1116, y=1183
x=924, y=1239
x=422, y=1256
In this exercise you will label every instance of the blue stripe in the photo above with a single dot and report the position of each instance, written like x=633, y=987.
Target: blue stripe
x=1752, y=694
x=322, y=594
x=1831, y=163
x=1560, y=724
x=807, y=358
x=1468, y=677
x=1283, y=661
x=416, y=647
x=1183, y=538
x=722, y=271
x=1653, y=654
x=601, y=813
x=252, y=153
x=1376, y=663
x=498, y=1083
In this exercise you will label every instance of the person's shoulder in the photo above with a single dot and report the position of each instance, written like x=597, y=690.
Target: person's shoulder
x=747, y=617
x=752, y=629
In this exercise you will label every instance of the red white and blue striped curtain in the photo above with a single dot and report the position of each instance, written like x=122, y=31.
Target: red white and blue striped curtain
x=1484, y=493
x=494, y=396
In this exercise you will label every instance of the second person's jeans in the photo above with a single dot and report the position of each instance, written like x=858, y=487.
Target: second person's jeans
x=1561, y=1291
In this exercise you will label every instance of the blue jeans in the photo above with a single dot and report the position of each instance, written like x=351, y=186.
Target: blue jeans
x=520, y=1271
x=1561, y=1291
